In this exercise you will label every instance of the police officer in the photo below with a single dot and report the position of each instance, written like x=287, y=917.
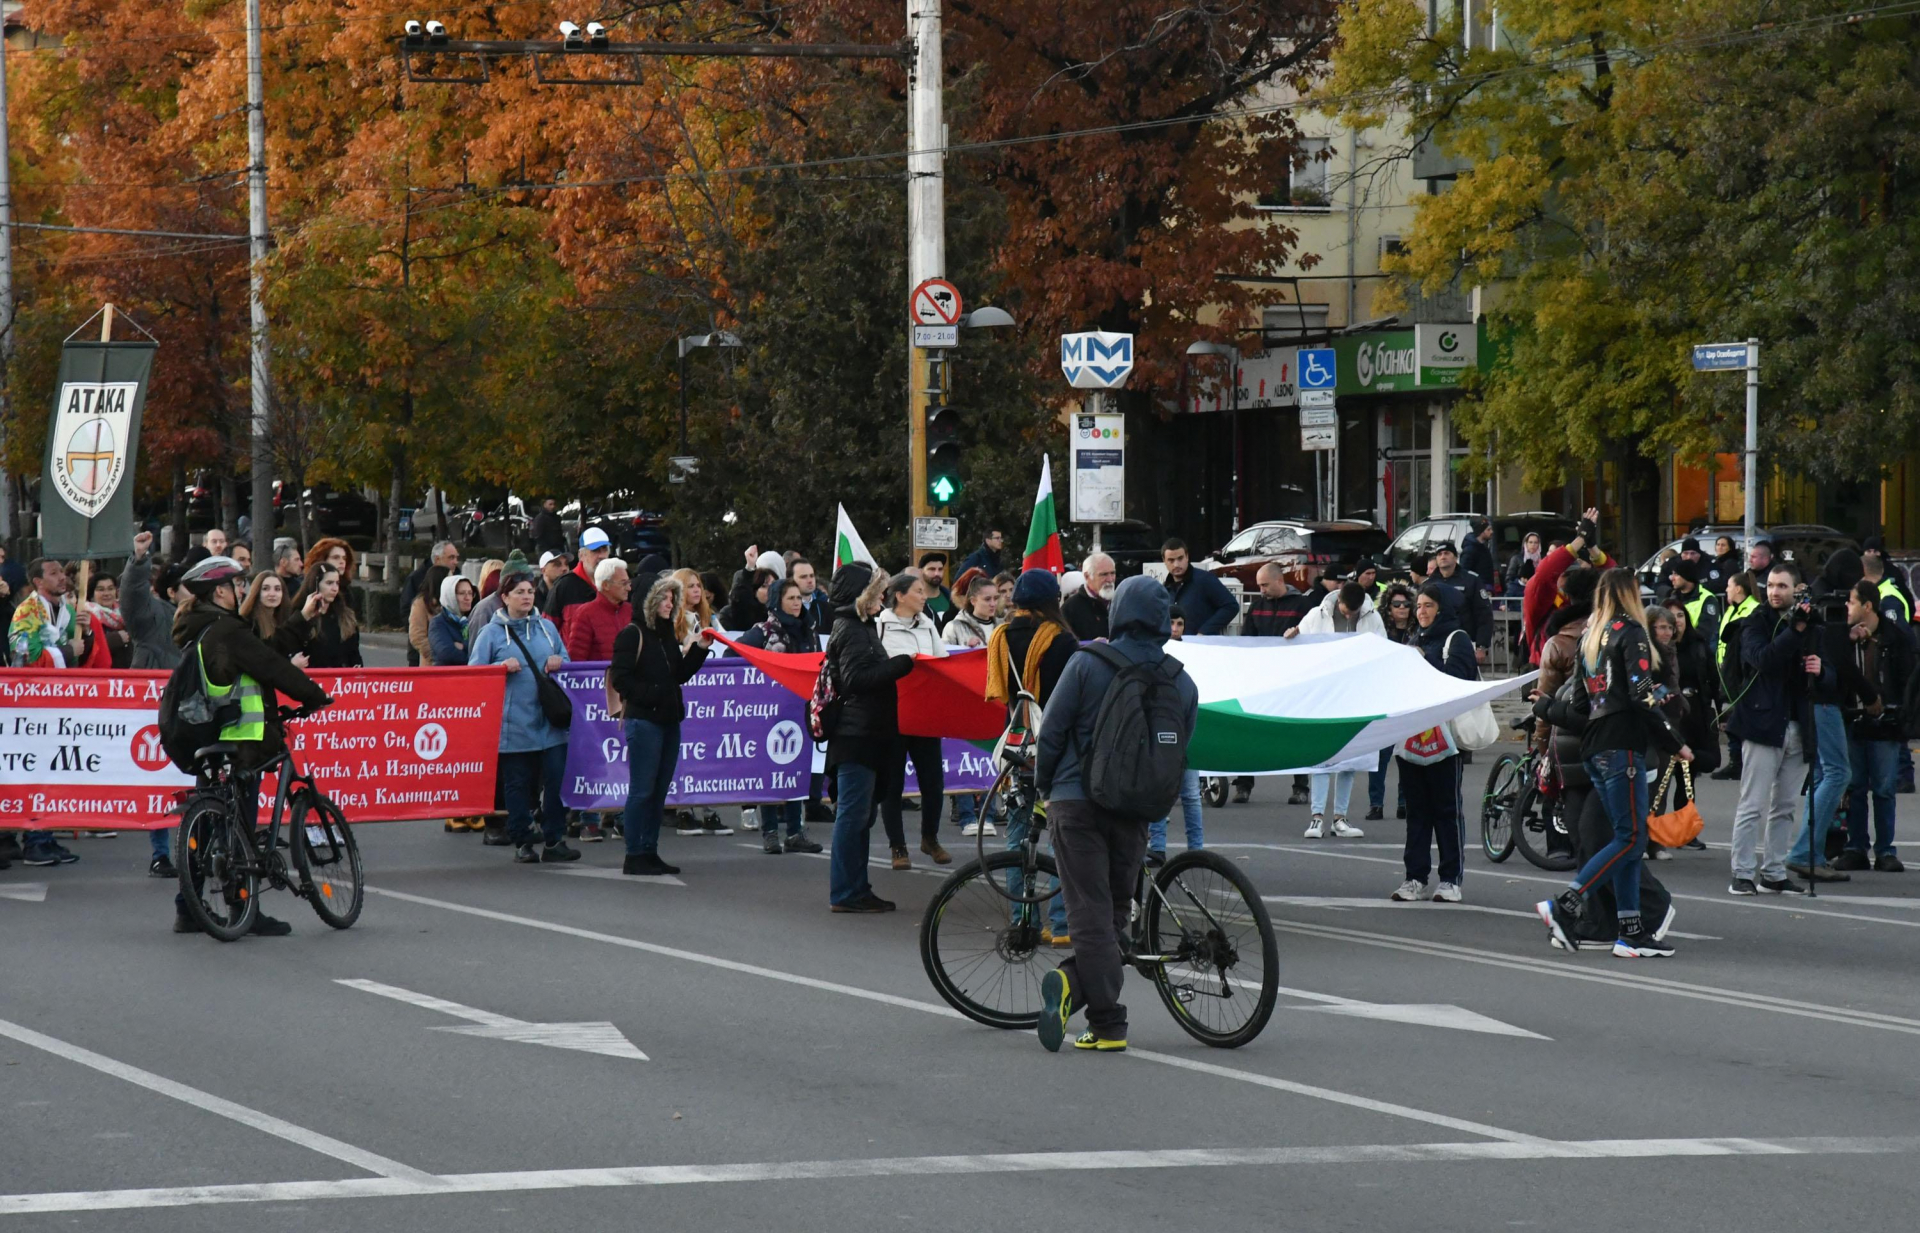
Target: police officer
x=245, y=670
x=1703, y=607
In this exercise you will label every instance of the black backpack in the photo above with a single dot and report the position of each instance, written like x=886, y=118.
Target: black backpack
x=190, y=718
x=1140, y=734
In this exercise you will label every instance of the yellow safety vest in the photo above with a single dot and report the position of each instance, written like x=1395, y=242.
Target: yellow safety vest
x=252, y=724
x=1887, y=588
x=1729, y=617
x=1693, y=607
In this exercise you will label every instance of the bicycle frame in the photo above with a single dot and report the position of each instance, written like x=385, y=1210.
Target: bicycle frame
x=266, y=858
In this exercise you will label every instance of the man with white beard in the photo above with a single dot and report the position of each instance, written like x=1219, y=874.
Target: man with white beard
x=1086, y=612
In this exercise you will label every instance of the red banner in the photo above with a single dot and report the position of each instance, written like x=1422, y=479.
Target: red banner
x=81, y=749
x=942, y=696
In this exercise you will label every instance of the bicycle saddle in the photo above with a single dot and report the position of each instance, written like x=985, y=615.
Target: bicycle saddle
x=224, y=749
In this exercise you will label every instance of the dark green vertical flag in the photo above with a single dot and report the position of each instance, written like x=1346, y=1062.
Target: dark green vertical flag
x=86, y=491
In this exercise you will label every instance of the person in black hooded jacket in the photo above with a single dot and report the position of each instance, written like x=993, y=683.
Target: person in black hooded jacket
x=649, y=666
x=863, y=737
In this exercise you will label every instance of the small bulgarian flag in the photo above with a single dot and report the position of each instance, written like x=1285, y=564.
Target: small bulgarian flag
x=1043, y=533
x=847, y=544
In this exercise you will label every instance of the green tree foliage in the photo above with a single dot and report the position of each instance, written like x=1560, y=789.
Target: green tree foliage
x=1643, y=176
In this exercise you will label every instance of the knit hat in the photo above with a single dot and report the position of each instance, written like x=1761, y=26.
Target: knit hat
x=1690, y=544
x=773, y=561
x=517, y=560
x=1679, y=567
x=1035, y=586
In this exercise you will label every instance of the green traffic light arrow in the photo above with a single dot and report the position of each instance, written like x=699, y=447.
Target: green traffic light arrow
x=943, y=489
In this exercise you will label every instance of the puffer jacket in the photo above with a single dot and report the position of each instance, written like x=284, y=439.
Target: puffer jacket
x=523, y=725
x=920, y=636
x=648, y=666
x=867, y=728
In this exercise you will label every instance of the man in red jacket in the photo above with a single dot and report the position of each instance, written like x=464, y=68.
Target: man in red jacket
x=1542, y=595
x=592, y=625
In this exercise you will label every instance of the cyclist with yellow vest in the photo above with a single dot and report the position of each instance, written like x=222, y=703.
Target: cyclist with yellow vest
x=1702, y=605
x=242, y=667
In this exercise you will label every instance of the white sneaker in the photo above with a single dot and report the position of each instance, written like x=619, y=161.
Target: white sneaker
x=989, y=829
x=1342, y=831
x=1410, y=892
x=1666, y=923
x=1314, y=827
x=970, y=831
x=1446, y=892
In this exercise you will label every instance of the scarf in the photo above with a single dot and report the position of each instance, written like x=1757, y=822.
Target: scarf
x=38, y=632
x=109, y=618
x=999, y=658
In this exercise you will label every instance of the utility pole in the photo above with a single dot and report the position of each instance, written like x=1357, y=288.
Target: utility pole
x=6, y=303
x=260, y=382
x=1753, y=440
x=926, y=223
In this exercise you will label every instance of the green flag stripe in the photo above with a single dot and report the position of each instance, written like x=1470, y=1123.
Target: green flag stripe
x=1230, y=738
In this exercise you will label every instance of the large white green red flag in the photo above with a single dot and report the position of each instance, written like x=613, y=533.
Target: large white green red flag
x=1043, y=533
x=1317, y=701
x=847, y=544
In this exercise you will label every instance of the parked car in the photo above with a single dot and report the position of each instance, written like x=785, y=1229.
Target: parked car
x=336, y=512
x=635, y=532
x=498, y=523
x=1807, y=545
x=1508, y=531
x=1303, y=549
x=1132, y=544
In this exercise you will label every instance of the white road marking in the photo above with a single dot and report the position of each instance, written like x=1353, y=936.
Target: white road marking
x=1343, y=902
x=1419, y=1014
x=1562, y=967
x=947, y=1012
x=938, y=871
x=25, y=892
x=1775, y=903
x=266, y=1123
x=614, y=875
x=597, y=1037
x=947, y=1166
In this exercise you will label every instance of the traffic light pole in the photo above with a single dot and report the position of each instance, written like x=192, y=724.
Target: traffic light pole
x=926, y=224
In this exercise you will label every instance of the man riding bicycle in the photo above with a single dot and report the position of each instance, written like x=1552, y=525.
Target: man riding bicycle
x=240, y=667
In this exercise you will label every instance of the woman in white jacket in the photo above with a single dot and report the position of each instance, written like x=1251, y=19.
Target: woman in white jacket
x=1348, y=610
x=906, y=629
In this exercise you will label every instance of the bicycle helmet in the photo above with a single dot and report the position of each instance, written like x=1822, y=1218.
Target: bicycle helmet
x=210, y=573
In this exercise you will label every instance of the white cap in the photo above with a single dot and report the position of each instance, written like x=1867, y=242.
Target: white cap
x=773, y=561
x=593, y=538
x=545, y=557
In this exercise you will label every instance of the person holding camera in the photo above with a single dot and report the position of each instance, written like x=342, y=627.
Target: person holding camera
x=1879, y=662
x=1774, y=721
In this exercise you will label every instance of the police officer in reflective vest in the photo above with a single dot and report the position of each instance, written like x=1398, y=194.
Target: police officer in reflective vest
x=241, y=667
x=1702, y=605
x=1893, y=605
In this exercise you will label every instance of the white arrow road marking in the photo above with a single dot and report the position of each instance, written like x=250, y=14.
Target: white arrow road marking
x=25, y=892
x=601, y=1037
x=614, y=875
x=1341, y=902
x=1420, y=1014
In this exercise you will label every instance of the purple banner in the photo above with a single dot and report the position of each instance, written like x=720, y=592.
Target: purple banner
x=743, y=741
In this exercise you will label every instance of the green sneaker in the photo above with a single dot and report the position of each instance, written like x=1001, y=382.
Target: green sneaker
x=1099, y=1044
x=1056, y=1009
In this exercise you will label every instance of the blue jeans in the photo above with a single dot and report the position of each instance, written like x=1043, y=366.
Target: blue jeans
x=522, y=775
x=653, y=753
x=159, y=840
x=793, y=812
x=1377, y=783
x=1876, y=766
x=1619, y=776
x=1342, y=784
x=1830, y=776
x=1189, y=810
x=853, y=800
x=1018, y=824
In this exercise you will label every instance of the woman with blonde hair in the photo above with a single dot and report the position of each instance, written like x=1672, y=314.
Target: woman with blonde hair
x=696, y=607
x=1621, y=667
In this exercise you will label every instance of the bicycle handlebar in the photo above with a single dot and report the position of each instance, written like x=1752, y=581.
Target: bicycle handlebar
x=289, y=714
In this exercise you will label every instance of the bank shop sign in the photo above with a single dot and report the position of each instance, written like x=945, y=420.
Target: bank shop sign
x=1427, y=357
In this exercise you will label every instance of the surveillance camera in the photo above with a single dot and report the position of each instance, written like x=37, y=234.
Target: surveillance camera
x=436, y=33
x=596, y=34
x=570, y=34
x=412, y=29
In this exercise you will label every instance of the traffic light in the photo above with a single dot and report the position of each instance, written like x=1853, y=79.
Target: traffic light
x=944, y=450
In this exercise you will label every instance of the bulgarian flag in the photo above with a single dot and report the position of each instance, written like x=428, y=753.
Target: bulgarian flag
x=847, y=544
x=1043, y=533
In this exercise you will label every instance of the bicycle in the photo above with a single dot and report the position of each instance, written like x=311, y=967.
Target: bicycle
x=1196, y=928
x=1517, y=813
x=1505, y=782
x=222, y=863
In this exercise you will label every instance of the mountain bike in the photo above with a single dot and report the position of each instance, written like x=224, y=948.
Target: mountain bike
x=1196, y=928
x=1509, y=777
x=222, y=863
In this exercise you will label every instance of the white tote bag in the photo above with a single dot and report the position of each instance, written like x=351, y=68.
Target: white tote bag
x=1476, y=729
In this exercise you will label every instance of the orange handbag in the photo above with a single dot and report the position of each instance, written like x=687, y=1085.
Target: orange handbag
x=1683, y=825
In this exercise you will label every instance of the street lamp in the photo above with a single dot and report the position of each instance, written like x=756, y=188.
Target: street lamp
x=1233, y=378
x=690, y=342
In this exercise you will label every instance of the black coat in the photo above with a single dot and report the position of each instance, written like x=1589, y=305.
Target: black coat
x=1892, y=670
x=229, y=647
x=1273, y=617
x=867, y=729
x=546, y=533
x=1477, y=558
x=1086, y=616
x=1020, y=631
x=325, y=647
x=648, y=671
x=1470, y=607
x=1775, y=693
x=571, y=589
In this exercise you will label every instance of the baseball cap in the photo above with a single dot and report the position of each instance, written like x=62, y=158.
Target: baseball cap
x=594, y=539
x=547, y=557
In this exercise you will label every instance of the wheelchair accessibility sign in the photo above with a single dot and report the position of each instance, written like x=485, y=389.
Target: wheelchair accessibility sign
x=1317, y=368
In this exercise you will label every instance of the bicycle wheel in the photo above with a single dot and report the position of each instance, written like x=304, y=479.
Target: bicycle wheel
x=983, y=953
x=1219, y=966
x=1540, y=831
x=1215, y=791
x=327, y=859
x=1016, y=880
x=1503, y=786
x=218, y=880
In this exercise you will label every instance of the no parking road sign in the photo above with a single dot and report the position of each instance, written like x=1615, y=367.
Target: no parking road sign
x=934, y=302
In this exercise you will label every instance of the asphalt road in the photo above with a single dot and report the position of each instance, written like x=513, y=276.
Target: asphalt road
x=1430, y=1065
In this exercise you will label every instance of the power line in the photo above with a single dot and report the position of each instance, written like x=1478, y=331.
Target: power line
x=166, y=235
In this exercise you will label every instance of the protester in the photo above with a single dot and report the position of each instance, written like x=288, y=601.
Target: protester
x=448, y=633
x=1397, y=625
x=108, y=644
x=443, y=554
x=986, y=558
x=1699, y=686
x=973, y=625
x=747, y=605
x=533, y=753
x=287, y=564
x=1086, y=612
x=426, y=606
x=1099, y=853
x=551, y=569
x=1476, y=553
x=1430, y=762
x=905, y=628
x=651, y=661
x=863, y=746
x=1829, y=693
x=1208, y=605
x=593, y=626
x=813, y=601
x=1619, y=664
x=786, y=631
x=215, y=542
x=1773, y=720
x=148, y=602
x=576, y=586
x=1523, y=562
x=546, y=533
x=1192, y=811
x=270, y=610
x=1543, y=591
x=1880, y=662
x=334, y=632
x=933, y=571
x=696, y=608
x=1033, y=647
x=44, y=632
